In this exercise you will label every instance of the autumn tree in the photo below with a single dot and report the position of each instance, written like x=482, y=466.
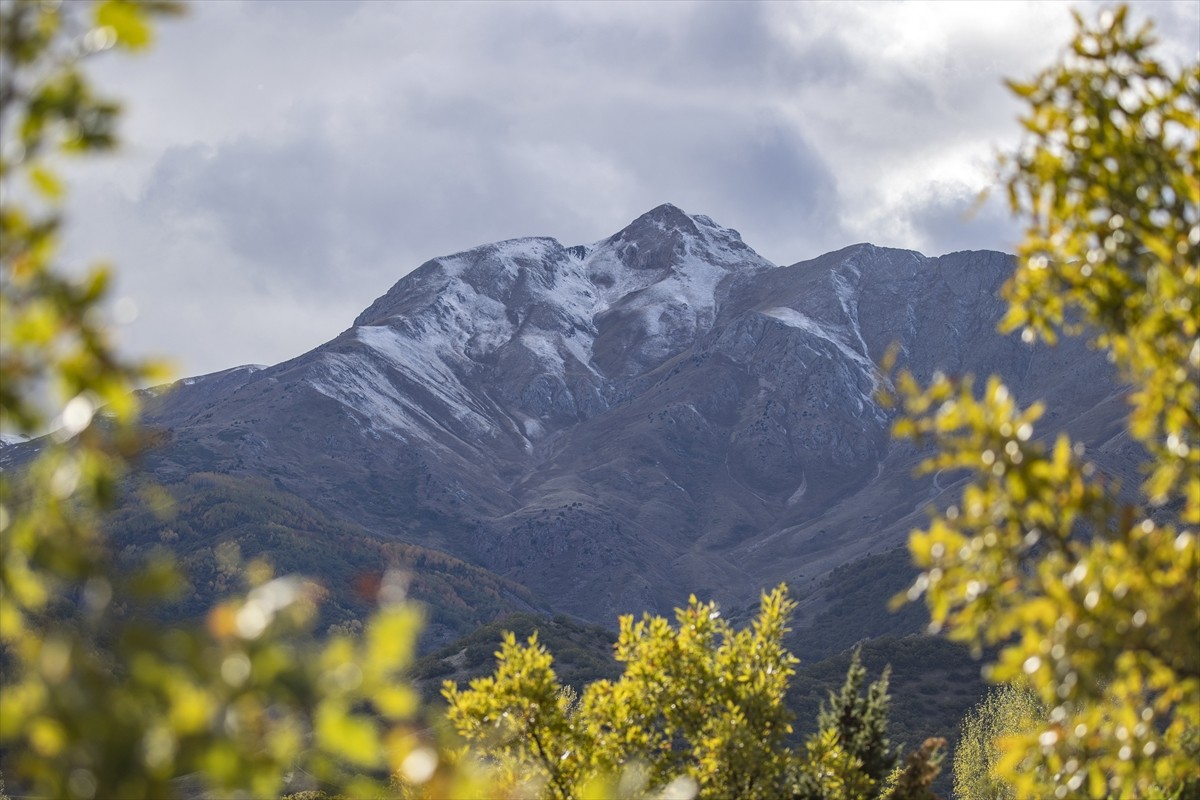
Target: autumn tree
x=699, y=705
x=1005, y=712
x=699, y=711
x=96, y=703
x=1092, y=601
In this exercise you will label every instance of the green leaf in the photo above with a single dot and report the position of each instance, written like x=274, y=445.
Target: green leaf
x=46, y=183
x=127, y=20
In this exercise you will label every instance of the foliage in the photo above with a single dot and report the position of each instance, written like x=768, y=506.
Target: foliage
x=582, y=653
x=1006, y=711
x=101, y=704
x=53, y=334
x=54, y=351
x=860, y=721
x=914, y=780
x=703, y=701
x=850, y=754
x=933, y=683
x=700, y=707
x=1092, y=603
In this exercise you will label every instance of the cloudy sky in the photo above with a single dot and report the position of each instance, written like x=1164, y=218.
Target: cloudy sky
x=286, y=162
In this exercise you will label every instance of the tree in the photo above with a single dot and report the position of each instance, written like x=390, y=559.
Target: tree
x=94, y=702
x=702, y=704
x=1007, y=711
x=861, y=720
x=857, y=723
x=1091, y=601
x=921, y=768
x=699, y=709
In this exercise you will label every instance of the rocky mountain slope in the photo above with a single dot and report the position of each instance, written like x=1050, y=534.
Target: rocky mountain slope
x=614, y=426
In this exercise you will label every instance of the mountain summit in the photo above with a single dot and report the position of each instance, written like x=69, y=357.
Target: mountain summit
x=552, y=331
x=612, y=426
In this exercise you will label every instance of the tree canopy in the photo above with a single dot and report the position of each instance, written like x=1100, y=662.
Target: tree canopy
x=1006, y=711
x=699, y=710
x=1092, y=601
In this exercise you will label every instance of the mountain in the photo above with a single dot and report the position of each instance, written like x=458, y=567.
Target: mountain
x=606, y=428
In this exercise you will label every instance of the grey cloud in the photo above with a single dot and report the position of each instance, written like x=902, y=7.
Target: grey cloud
x=418, y=172
x=790, y=194
x=727, y=42
x=270, y=202
x=946, y=218
x=320, y=12
x=821, y=60
x=675, y=45
x=321, y=150
x=756, y=175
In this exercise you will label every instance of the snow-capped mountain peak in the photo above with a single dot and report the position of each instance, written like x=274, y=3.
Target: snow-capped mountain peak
x=613, y=423
x=536, y=313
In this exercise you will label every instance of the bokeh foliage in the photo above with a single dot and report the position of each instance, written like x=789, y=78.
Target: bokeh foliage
x=97, y=698
x=1092, y=600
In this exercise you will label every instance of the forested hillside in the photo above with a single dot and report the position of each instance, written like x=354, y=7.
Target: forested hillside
x=214, y=524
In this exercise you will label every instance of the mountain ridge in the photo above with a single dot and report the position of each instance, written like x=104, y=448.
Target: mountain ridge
x=619, y=424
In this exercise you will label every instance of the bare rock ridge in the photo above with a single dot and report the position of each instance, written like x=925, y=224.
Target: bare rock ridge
x=618, y=424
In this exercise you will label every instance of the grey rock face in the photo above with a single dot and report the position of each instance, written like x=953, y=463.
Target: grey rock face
x=619, y=424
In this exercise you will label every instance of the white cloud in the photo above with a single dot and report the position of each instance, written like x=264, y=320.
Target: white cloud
x=287, y=162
